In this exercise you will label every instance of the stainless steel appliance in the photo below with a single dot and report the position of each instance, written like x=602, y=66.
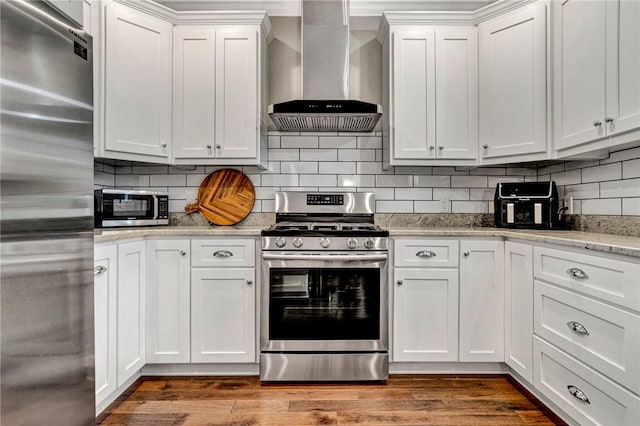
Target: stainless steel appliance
x=531, y=205
x=46, y=218
x=117, y=207
x=325, y=290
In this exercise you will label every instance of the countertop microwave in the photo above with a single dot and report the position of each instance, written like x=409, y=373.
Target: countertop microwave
x=116, y=208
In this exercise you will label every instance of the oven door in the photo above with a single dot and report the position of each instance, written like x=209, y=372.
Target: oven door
x=316, y=301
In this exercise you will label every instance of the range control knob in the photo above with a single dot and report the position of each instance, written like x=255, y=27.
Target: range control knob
x=280, y=242
x=352, y=243
x=369, y=243
x=297, y=242
x=325, y=242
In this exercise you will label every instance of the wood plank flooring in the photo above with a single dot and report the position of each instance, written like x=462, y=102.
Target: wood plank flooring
x=403, y=400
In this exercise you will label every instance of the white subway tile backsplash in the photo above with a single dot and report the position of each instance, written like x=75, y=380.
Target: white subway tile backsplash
x=611, y=171
x=335, y=167
x=318, y=155
x=353, y=162
x=416, y=194
x=342, y=142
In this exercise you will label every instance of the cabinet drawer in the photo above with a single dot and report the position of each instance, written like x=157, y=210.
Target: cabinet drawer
x=223, y=252
x=605, y=277
x=600, y=335
x=426, y=253
x=556, y=375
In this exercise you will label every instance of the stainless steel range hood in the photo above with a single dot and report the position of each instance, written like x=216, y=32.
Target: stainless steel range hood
x=325, y=76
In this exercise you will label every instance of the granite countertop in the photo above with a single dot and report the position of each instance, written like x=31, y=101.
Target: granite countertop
x=608, y=243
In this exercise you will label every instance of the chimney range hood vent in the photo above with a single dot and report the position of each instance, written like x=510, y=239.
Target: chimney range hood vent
x=325, y=71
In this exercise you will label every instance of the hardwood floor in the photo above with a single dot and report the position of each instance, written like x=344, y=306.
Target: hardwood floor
x=403, y=400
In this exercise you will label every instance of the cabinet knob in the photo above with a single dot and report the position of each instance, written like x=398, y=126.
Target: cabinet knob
x=432, y=147
x=597, y=123
x=577, y=273
x=98, y=270
x=578, y=394
x=164, y=144
x=208, y=146
x=249, y=282
x=485, y=146
x=608, y=120
x=399, y=282
x=183, y=253
x=578, y=328
x=218, y=146
x=466, y=254
x=441, y=147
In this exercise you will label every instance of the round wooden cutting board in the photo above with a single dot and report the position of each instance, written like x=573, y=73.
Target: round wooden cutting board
x=225, y=197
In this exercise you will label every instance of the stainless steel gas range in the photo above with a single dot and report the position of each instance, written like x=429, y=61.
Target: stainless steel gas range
x=324, y=297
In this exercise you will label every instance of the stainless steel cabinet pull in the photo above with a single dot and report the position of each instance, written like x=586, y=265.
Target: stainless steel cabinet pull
x=608, y=120
x=485, y=146
x=218, y=146
x=183, y=253
x=577, y=273
x=249, y=282
x=432, y=147
x=99, y=270
x=164, y=144
x=208, y=146
x=399, y=282
x=466, y=254
x=425, y=253
x=577, y=328
x=223, y=253
x=578, y=394
x=597, y=123
x=441, y=147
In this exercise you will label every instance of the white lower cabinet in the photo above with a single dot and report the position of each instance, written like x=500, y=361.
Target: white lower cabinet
x=223, y=306
x=104, y=302
x=482, y=301
x=518, y=308
x=131, y=309
x=168, y=301
x=587, y=396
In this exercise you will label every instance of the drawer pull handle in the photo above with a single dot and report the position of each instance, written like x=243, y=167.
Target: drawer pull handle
x=98, y=270
x=426, y=253
x=578, y=394
x=578, y=328
x=223, y=253
x=578, y=273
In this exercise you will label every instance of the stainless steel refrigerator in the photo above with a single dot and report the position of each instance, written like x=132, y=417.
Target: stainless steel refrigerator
x=46, y=208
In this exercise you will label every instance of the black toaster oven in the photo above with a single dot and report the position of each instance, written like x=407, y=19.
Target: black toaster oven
x=530, y=205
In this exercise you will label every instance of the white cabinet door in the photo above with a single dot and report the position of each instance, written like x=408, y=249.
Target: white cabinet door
x=137, y=86
x=482, y=301
x=168, y=301
x=579, y=71
x=425, y=315
x=513, y=84
x=131, y=309
x=518, y=287
x=413, y=94
x=456, y=93
x=223, y=315
x=194, y=93
x=104, y=302
x=237, y=82
x=623, y=66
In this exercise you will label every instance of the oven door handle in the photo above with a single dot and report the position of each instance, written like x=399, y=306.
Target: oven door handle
x=330, y=257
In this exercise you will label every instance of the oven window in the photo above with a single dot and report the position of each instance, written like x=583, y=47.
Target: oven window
x=324, y=304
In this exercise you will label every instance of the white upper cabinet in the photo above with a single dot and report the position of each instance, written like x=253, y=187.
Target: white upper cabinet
x=218, y=108
x=513, y=86
x=137, y=86
x=429, y=95
x=596, y=48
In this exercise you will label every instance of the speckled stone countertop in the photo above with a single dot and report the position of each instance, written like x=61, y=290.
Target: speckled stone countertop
x=615, y=244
